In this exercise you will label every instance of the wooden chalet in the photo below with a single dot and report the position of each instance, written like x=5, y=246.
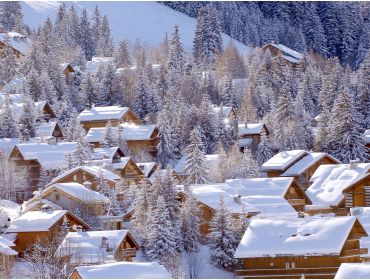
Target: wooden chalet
x=49, y=131
x=142, y=140
x=304, y=168
x=91, y=174
x=336, y=188
x=129, y=171
x=31, y=157
x=299, y=248
x=100, y=116
x=248, y=197
x=67, y=69
x=287, y=55
x=17, y=42
x=121, y=270
x=108, y=155
x=95, y=247
x=69, y=196
x=249, y=135
x=40, y=227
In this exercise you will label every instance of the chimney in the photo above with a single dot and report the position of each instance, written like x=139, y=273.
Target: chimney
x=51, y=140
x=87, y=185
x=46, y=208
x=104, y=242
x=237, y=199
x=300, y=214
x=353, y=163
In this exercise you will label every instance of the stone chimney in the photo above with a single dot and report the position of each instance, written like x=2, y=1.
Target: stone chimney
x=353, y=163
x=87, y=185
x=237, y=199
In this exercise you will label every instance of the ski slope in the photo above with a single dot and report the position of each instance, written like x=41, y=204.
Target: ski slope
x=144, y=21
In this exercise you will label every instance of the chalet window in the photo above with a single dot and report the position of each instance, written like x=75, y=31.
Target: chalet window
x=84, y=177
x=292, y=265
x=57, y=196
x=75, y=177
x=287, y=265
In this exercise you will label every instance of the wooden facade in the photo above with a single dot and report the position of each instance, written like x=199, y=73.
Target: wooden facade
x=358, y=194
x=47, y=112
x=255, y=139
x=316, y=267
x=25, y=240
x=129, y=117
x=297, y=197
x=130, y=173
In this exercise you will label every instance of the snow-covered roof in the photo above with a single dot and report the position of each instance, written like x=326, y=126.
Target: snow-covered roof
x=64, y=66
x=329, y=181
x=353, y=271
x=133, y=131
x=124, y=270
x=103, y=113
x=104, y=153
x=78, y=191
x=5, y=245
x=226, y=111
x=16, y=40
x=366, y=136
x=93, y=65
x=287, y=51
x=14, y=84
x=211, y=160
x=122, y=163
x=36, y=221
x=17, y=108
x=277, y=186
x=306, y=162
x=250, y=128
x=210, y=194
x=13, y=98
x=93, y=170
x=245, y=142
x=11, y=208
x=130, y=132
x=86, y=247
x=283, y=160
x=298, y=237
x=146, y=167
x=46, y=129
x=50, y=156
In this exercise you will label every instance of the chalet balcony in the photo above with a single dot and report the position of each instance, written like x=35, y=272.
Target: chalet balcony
x=355, y=252
x=296, y=201
x=127, y=253
x=291, y=273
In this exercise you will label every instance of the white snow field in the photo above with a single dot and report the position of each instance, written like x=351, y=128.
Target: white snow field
x=146, y=21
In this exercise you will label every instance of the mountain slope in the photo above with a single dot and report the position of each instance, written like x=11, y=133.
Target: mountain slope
x=146, y=21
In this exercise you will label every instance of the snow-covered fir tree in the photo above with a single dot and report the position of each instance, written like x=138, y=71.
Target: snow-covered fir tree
x=190, y=224
x=109, y=136
x=264, y=151
x=249, y=166
x=8, y=126
x=195, y=160
x=222, y=237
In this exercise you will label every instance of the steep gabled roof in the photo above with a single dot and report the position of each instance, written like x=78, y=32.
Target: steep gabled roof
x=306, y=162
x=103, y=113
x=297, y=237
x=330, y=180
x=250, y=129
x=283, y=160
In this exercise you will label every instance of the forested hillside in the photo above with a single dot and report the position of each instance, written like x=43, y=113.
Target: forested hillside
x=338, y=29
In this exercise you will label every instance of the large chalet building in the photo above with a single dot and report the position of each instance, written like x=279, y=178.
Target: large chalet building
x=299, y=248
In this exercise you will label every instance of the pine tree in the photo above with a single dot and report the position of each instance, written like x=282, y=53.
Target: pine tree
x=249, y=168
x=96, y=27
x=345, y=137
x=161, y=239
x=176, y=60
x=121, y=56
x=8, y=62
x=264, y=151
x=190, y=223
x=74, y=130
x=222, y=237
x=105, y=42
x=109, y=136
x=88, y=91
x=44, y=179
x=142, y=105
x=227, y=90
x=82, y=153
x=86, y=41
x=195, y=160
x=28, y=119
x=121, y=142
x=8, y=127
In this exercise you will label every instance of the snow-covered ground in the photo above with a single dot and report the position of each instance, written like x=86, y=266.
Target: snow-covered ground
x=146, y=21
